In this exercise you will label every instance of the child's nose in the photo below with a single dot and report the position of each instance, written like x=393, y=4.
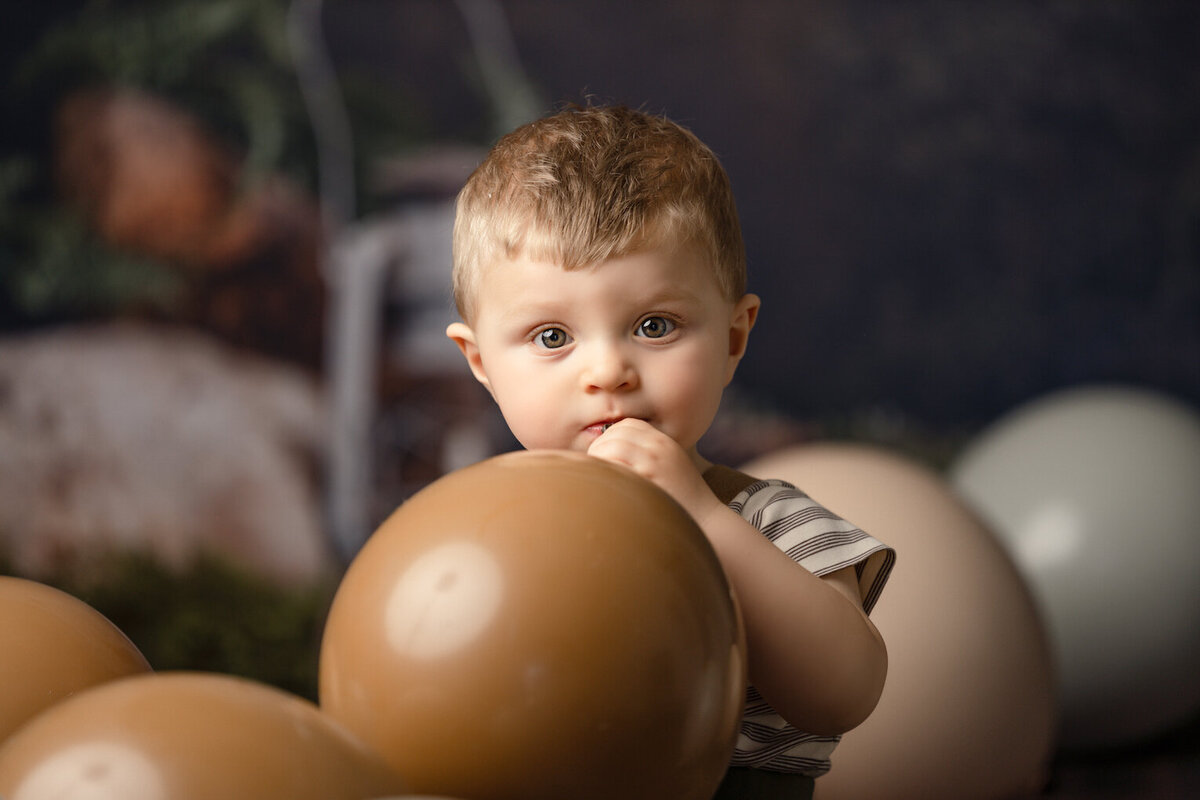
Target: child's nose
x=609, y=370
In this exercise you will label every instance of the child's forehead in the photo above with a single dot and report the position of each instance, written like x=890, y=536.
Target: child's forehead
x=645, y=276
x=662, y=258
x=684, y=262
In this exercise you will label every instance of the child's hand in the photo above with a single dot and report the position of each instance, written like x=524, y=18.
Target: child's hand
x=657, y=457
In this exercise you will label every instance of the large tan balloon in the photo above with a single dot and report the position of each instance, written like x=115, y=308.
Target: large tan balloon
x=189, y=736
x=53, y=645
x=539, y=625
x=968, y=710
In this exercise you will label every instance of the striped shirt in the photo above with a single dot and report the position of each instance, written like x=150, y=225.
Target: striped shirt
x=822, y=543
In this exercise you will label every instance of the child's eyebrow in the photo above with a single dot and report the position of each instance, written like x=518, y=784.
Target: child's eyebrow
x=536, y=306
x=528, y=311
x=676, y=292
x=672, y=294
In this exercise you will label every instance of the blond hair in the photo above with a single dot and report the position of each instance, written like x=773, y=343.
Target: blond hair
x=589, y=184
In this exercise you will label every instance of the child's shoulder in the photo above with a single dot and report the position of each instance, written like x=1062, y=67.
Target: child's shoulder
x=726, y=482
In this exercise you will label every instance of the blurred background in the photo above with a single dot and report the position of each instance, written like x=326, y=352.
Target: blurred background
x=224, y=261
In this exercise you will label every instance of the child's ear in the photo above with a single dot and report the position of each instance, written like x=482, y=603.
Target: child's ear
x=464, y=337
x=741, y=321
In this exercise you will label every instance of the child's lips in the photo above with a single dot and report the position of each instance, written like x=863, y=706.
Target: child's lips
x=597, y=428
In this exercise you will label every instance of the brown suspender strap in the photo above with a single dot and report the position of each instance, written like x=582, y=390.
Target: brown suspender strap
x=726, y=482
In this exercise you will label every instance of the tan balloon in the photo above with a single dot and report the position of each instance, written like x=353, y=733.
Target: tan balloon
x=189, y=736
x=539, y=625
x=968, y=710
x=53, y=645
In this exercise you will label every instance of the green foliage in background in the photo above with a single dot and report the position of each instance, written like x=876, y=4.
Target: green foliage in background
x=212, y=616
x=52, y=266
x=229, y=63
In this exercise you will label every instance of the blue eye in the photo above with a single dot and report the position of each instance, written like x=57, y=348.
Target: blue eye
x=553, y=338
x=655, y=327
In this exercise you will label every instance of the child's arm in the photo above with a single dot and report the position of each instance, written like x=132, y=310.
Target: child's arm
x=812, y=652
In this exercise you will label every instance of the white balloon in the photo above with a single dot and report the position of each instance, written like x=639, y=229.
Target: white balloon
x=1095, y=491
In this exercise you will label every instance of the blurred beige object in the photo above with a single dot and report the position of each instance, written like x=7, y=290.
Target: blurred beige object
x=969, y=707
x=151, y=439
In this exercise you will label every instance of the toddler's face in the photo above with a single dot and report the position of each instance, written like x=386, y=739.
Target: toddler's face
x=565, y=353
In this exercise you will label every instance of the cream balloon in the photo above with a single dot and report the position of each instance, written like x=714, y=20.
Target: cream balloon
x=1095, y=491
x=968, y=710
